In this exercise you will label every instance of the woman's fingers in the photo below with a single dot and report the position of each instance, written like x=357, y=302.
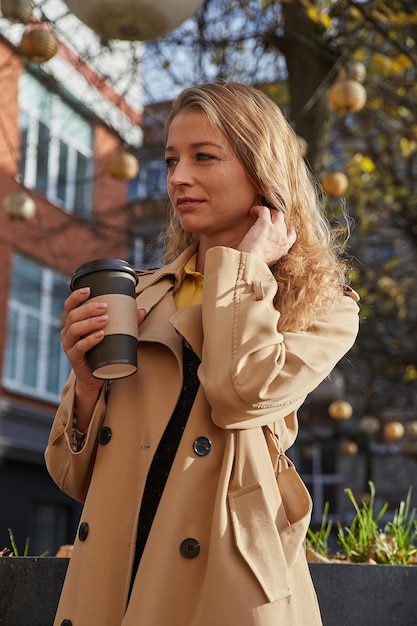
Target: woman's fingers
x=83, y=329
x=76, y=298
x=85, y=320
x=270, y=237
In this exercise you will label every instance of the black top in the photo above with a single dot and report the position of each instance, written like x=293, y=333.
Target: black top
x=165, y=453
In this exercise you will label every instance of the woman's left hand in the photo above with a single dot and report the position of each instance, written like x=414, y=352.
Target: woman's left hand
x=270, y=237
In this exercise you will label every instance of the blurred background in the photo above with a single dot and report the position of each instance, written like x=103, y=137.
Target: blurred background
x=84, y=93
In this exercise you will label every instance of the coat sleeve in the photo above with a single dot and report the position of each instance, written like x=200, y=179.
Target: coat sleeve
x=71, y=470
x=252, y=373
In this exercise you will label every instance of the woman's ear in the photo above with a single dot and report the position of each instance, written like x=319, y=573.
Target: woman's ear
x=265, y=202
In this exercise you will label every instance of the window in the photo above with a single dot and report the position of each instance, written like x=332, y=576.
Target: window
x=148, y=253
x=35, y=363
x=317, y=464
x=56, y=148
x=48, y=527
x=151, y=181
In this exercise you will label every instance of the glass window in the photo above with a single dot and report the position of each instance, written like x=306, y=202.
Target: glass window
x=24, y=131
x=35, y=363
x=150, y=182
x=62, y=172
x=316, y=462
x=43, y=157
x=82, y=203
x=56, y=148
x=48, y=527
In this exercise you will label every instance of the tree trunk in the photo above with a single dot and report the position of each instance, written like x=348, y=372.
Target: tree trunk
x=311, y=70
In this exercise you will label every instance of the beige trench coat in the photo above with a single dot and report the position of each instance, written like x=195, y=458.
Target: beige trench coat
x=251, y=568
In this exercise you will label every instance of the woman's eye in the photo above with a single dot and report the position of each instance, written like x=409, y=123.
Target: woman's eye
x=170, y=162
x=204, y=157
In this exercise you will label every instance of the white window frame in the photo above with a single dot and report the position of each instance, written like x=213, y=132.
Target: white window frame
x=46, y=320
x=74, y=147
x=317, y=480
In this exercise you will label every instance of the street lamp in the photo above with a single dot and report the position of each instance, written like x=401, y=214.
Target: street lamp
x=137, y=20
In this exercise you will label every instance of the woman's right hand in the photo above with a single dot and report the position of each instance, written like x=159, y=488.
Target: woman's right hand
x=84, y=328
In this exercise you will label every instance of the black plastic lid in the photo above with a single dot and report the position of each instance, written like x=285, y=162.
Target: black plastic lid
x=118, y=265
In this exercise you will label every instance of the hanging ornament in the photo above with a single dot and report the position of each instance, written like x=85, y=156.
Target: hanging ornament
x=411, y=428
x=393, y=430
x=347, y=96
x=369, y=425
x=38, y=44
x=349, y=448
x=340, y=410
x=19, y=206
x=356, y=71
x=123, y=165
x=334, y=183
x=17, y=10
x=133, y=19
x=303, y=145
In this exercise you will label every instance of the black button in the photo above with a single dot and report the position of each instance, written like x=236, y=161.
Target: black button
x=83, y=531
x=190, y=548
x=66, y=622
x=202, y=446
x=104, y=435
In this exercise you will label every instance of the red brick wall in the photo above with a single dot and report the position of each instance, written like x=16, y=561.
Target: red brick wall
x=53, y=237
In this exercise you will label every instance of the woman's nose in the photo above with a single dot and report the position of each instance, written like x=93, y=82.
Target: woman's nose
x=180, y=175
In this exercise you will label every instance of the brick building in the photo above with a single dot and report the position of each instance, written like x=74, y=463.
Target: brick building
x=55, y=145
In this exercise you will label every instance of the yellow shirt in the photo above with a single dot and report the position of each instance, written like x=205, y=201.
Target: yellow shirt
x=191, y=290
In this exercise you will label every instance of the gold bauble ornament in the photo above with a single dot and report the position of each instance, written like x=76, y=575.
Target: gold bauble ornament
x=394, y=430
x=347, y=96
x=123, y=166
x=19, y=11
x=334, y=183
x=38, y=45
x=340, y=410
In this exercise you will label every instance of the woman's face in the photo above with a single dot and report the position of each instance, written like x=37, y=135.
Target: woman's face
x=207, y=185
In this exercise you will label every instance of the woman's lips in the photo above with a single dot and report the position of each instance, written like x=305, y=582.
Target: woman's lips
x=188, y=204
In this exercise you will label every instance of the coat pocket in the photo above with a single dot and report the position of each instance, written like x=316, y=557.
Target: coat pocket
x=258, y=540
x=297, y=504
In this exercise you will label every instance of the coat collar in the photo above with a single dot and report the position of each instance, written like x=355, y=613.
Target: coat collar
x=155, y=287
x=173, y=272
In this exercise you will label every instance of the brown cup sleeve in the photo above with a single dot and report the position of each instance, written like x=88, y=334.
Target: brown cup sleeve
x=122, y=312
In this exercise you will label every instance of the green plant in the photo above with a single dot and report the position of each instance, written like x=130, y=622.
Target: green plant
x=403, y=530
x=15, y=551
x=319, y=540
x=359, y=539
x=363, y=540
x=14, y=546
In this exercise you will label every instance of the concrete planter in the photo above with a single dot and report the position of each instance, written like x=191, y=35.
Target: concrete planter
x=364, y=595
x=29, y=589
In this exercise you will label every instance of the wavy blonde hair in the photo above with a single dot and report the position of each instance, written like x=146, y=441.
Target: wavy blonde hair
x=310, y=277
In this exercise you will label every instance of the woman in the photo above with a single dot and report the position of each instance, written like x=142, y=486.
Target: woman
x=185, y=522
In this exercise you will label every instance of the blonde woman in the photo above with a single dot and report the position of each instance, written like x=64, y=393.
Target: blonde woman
x=191, y=517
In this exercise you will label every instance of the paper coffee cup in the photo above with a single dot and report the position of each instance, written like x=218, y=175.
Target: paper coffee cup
x=112, y=281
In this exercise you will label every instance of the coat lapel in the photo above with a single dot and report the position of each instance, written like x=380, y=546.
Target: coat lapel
x=156, y=288
x=188, y=323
